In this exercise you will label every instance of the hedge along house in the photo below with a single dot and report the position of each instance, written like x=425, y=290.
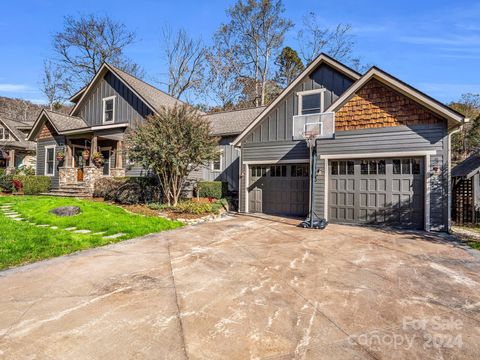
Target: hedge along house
x=112, y=102
x=388, y=160
x=15, y=151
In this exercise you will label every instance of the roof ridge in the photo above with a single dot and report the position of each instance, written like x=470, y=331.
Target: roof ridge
x=60, y=113
x=236, y=110
x=146, y=83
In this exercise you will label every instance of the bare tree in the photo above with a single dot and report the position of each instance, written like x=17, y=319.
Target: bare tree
x=87, y=42
x=54, y=84
x=314, y=39
x=185, y=60
x=257, y=28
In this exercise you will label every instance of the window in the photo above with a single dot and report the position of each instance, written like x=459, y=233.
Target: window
x=278, y=170
x=342, y=167
x=217, y=163
x=310, y=101
x=299, y=170
x=50, y=160
x=259, y=171
x=406, y=166
x=372, y=167
x=109, y=109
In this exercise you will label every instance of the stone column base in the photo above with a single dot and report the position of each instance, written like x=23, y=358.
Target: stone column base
x=90, y=175
x=67, y=175
x=117, y=172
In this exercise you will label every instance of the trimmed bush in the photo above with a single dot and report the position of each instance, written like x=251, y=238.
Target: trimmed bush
x=210, y=189
x=6, y=184
x=34, y=184
x=128, y=190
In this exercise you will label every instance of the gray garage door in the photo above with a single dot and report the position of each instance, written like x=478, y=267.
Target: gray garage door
x=377, y=191
x=279, y=189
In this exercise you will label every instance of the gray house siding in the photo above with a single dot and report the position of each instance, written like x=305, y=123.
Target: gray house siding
x=230, y=166
x=59, y=142
x=277, y=125
x=128, y=106
x=394, y=139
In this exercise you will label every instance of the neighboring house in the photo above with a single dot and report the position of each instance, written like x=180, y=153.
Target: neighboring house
x=388, y=161
x=226, y=126
x=15, y=151
x=111, y=103
x=466, y=191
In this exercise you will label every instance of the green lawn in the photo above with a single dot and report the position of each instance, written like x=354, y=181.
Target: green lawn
x=22, y=243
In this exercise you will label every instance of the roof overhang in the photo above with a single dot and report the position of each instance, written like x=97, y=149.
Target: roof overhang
x=454, y=118
x=75, y=97
x=322, y=58
x=101, y=72
x=38, y=124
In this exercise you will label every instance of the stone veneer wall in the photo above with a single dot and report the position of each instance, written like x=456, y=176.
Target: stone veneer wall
x=376, y=105
x=67, y=175
x=90, y=175
x=115, y=172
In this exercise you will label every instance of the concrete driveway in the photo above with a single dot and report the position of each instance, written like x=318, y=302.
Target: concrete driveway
x=248, y=288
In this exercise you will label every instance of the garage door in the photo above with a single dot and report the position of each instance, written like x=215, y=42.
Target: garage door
x=279, y=189
x=377, y=191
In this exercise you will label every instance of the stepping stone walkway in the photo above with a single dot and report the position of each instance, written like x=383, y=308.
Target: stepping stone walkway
x=18, y=219
x=114, y=236
x=100, y=233
x=13, y=216
x=43, y=225
x=54, y=227
x=70, y=228
x=82, y=231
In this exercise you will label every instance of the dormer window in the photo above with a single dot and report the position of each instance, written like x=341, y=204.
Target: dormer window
x=310, y=101
x=109, y=109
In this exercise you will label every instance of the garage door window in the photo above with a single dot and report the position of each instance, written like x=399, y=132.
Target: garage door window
x=372, y=167
x=278, y=170
x=342, y=168
x=406, y=166
x=299, y=170
x=259, y=171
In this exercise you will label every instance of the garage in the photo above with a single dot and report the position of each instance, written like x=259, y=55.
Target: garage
x=377, y=191
x=279, y=189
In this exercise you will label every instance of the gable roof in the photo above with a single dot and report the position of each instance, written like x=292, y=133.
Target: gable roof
x=154, y=98
x=20, y=138
x=232, y=122
x=454, y=118
x=468, y=167
x=60, y=122
x=322, y=58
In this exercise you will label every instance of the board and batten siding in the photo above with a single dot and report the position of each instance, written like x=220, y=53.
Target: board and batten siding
x=128, y=106
x=230, y=166
x=58, y=141
x=277, y=125
x=388, y=140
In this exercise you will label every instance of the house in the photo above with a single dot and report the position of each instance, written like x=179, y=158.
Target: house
x=383, y=156
x=466, y=190
x=15, y=151
x=226, y=125
x=111, y=103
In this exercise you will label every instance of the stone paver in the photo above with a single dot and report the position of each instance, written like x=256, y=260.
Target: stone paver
x=70, y=228
x=114, y=236
x=249, y=288
x=82, y=231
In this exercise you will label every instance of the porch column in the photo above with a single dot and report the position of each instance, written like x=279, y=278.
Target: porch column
x=118, y=152
x=11, y=161
x=93, y=148
x=68, y=155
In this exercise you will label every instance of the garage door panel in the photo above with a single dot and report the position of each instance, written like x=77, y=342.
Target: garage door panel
x=390, y=191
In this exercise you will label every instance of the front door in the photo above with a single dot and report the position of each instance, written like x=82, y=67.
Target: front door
x=78, y=162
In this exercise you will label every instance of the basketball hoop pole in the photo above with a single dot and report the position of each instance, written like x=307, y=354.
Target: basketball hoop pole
x=313, y=166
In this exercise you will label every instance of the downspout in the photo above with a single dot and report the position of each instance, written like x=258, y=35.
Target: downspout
x=449, y=176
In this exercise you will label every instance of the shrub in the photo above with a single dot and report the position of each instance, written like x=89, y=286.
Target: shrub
x=6, y=182
x=191, y=207
x=210, y=189
x=133, y=190
x=34, y=184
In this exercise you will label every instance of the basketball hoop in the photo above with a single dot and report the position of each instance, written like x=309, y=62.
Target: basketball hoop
x=310, y=137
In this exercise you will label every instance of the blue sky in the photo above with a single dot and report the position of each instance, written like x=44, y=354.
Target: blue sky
x=432, y=45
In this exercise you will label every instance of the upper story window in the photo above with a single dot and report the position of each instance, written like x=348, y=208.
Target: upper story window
x=4, y=134
x=109, y=109
x=310, y=101
x=217, y=163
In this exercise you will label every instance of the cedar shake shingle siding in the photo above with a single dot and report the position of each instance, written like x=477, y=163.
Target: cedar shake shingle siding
x=47, y=131
x=375, y=106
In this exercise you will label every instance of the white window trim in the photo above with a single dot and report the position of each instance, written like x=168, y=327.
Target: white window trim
x=46, y=160
x=300, y=94
x=221, y=163
x=104, y=100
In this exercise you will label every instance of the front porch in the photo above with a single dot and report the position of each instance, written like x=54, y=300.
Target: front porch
x=87, y=158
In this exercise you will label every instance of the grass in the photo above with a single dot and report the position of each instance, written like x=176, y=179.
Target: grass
x=474, y=244
x=22, y=243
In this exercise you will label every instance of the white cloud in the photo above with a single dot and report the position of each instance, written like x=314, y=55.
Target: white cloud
x=15, y=88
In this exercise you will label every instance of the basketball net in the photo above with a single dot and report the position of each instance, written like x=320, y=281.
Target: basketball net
x=310, y=137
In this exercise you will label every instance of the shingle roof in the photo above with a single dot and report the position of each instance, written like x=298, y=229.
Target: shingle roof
x=155, y=97
x=468, y=167
x=232, y=122
x=64, y=122
x=14, y=126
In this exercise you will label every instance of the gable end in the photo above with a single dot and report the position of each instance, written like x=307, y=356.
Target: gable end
x=47, y=131
x=376, y=105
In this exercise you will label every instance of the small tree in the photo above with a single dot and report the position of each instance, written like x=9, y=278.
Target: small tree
x=171, y=145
